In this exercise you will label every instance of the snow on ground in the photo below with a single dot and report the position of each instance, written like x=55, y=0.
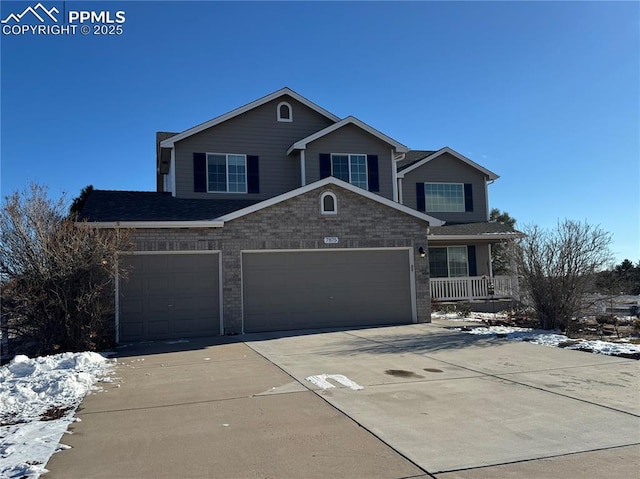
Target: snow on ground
x=38, y=398
x=540, y=336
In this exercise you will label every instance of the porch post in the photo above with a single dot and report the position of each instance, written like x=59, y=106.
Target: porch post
x=490, y=260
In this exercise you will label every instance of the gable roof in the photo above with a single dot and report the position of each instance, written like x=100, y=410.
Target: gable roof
x=350, y=120
x=169, y=142
x=490, y=174
x=330, y=181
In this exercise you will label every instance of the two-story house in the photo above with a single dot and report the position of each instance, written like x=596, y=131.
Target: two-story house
x=279, y=215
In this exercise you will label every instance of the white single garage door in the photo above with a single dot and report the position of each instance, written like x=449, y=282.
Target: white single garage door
x=169, y=296
x=326, y=288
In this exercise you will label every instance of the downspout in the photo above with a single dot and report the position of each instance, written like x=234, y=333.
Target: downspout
x=172, y=170
x=397, y=182
x=303, y=172
x=486, y=196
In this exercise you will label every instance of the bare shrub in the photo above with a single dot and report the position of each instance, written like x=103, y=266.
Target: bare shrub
x=57, y=276
x=557, y=266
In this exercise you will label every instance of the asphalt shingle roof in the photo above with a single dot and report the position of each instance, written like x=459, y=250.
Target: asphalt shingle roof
x=485, y=228
x=103, y=205
x=412, y=157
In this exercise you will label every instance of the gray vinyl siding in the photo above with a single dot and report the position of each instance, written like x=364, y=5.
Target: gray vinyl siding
x=448, y=169
x=256, y=132
x=351, y=139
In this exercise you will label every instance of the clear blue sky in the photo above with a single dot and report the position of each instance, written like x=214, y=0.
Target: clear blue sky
x=545, y=94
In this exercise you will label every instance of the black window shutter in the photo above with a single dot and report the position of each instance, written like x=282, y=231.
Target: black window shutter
x=468, y=197
x=372, y=168
x=200, y=172
x=420, y=201
x=325, y=165
x=253, y=174
x=471, y=257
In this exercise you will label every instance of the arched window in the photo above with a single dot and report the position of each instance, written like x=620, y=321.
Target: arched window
x=285, y=112
x=328, y=204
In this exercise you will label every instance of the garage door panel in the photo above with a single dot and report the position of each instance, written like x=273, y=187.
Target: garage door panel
x=184, y=325
x=170, y=296
x=158, y=329
x=131, y=330
x=157, y=285
x=296, y=290
x=132, y=307
x=135, y=285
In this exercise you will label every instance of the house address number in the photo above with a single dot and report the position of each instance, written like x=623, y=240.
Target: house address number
x=330, y=239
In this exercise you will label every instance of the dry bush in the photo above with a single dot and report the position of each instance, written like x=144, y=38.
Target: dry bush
x=557, y=266
x=57, y=275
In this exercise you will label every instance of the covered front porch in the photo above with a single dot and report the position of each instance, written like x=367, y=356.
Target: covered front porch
x=474, y=288
x=461, y=263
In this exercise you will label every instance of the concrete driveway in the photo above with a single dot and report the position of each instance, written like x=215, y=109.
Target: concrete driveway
x=433, y=403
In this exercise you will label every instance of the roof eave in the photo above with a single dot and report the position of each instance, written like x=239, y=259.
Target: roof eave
x=350, y=120
x=152, y=224
x=484, y=237
x=489, y=174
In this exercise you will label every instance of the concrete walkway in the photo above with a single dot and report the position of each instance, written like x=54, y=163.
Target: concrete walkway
x=433, y=403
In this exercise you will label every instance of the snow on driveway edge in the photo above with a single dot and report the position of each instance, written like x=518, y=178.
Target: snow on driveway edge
x=38, y=399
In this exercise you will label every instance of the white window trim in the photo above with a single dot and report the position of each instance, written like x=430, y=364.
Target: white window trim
x=448, y=264
x=226, y=155
x=426, y=206
x=335, y=204
x=349, y=155
x=287, y=120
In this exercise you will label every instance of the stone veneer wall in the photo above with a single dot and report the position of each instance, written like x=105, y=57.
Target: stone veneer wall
x=298, y=224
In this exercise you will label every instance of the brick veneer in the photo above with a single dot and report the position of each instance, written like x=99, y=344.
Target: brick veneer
x=298, y=224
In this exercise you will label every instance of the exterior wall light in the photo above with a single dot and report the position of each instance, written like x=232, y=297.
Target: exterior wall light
x=422, y=252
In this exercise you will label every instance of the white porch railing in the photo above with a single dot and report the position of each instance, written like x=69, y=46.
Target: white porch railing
x=473, y=288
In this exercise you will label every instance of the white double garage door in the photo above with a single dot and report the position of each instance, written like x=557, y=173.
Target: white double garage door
x=175, y=295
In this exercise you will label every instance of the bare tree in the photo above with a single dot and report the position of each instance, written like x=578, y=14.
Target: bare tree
x=558, y=265
x=57, y=276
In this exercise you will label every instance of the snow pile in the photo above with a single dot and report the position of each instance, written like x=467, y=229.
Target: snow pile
x=453, y=316
x=539, y=336
x=37, y=400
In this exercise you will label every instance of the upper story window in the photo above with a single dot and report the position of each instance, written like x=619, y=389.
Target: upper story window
x=285, y=112
x=444, y=197
x=328, y=204
x=350, y=168
x=226, y=173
